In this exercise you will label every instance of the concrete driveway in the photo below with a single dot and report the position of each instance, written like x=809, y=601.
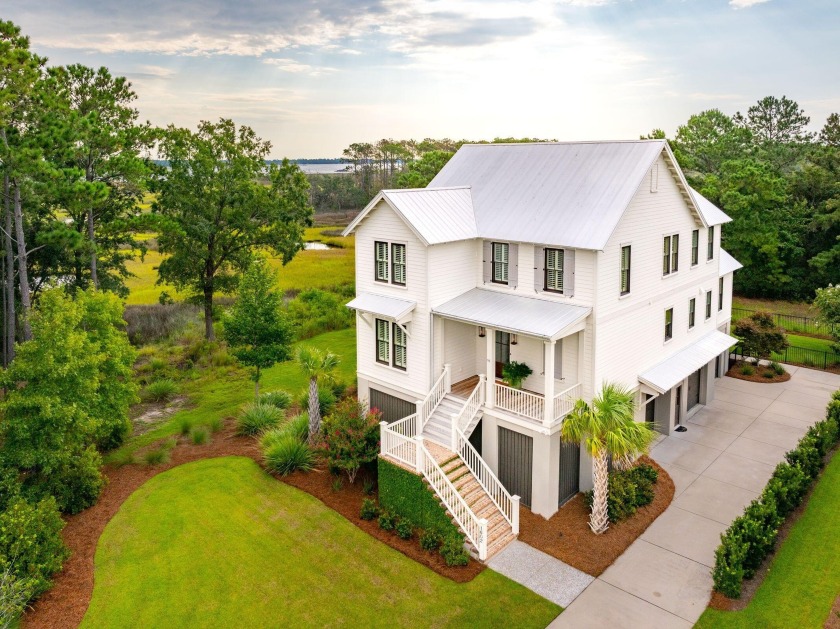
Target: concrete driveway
x=718, y=465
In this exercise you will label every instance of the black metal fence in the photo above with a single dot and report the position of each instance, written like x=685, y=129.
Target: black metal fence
x=790, y=323
x=804, y=356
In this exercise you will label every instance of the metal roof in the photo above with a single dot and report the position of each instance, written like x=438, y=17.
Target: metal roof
x=513, y=313
x=436, y=215
x=712, y=214
x=685, y=362
x=389, y=307
x=728, y=264
x=571, y=194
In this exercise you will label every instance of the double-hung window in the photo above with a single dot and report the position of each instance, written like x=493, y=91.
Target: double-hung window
x=398, y=264
x=695, y=246
x=554, y=270
x=500, y=261
x=710, y=246
x=720, y=294
x=670, y=254
x=708, y=304
x=383, y=341
x=692, y=307
x=382, y=266
x=669, y=324
x=625, y=269
x=400, y=360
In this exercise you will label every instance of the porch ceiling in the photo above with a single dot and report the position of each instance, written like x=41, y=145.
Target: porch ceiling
x=685, y=362
x=393, y=308
x=514, y=313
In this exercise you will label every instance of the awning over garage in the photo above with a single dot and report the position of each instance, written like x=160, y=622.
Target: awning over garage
x=685, y=362
x=392, y=308
x=514, y=313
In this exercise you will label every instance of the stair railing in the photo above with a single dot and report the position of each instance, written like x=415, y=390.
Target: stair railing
x=427, y=405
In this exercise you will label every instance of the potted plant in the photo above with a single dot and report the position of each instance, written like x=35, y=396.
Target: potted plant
x=513, y=373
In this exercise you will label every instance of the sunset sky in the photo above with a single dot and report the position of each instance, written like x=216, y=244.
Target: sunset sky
x=313, y=77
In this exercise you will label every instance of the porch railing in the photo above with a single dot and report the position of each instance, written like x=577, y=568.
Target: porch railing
x=525, y=403
x=435, y=395
x=398, y=441
x=564, y=401
x=471, y=406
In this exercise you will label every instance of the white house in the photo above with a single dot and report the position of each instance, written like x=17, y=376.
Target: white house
x=591, y=262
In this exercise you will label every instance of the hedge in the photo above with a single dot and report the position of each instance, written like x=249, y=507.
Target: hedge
x=752, y=536
x=405, y=494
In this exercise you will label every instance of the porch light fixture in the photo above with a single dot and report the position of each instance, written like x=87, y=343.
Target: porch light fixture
x=514, y=339
x=482, y=332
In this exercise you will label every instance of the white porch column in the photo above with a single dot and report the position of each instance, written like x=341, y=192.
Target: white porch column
x=490, y=368
x=581, y=349
x=548, y=371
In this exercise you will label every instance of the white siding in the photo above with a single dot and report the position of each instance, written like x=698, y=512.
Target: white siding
x=460, y=348
x=725, y=314
x=529, y=350
x=382, y=224
x=451, y=269
x=630, y=329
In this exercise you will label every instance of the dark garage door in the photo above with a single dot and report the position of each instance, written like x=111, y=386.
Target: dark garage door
x=516, y=455
x=569, y=470
x=392, y=407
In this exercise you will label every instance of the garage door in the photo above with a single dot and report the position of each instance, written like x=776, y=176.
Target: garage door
x=391, y=407
x=569, y=470
x=516, y=455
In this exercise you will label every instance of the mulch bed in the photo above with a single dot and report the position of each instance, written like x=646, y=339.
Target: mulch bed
x=66, y=603
x=833, y=620
x=567, y=536
x=348, y=502
x=758, y=376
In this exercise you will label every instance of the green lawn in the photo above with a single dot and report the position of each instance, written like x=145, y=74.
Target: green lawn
x=809, y=342
x=804, y=578
x=219, y=543
x=221, y=391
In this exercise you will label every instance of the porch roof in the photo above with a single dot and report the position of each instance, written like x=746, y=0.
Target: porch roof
x=685, y=362
x=514, y=313
x=388, y=307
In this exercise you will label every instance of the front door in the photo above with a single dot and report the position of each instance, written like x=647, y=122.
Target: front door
x=650, y=409
x=678, y=406
x=502, y=351
x=694, y=389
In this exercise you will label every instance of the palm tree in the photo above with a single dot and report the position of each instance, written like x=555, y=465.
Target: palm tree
x=317, y=365
x=606, y=428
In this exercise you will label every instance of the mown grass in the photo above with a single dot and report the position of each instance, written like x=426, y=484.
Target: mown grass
x=809, y=342
x=219, y=392
x=309, y=269
x=219, y=543
x=804, y=578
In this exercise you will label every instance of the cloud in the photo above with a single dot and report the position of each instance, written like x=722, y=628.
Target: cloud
x=745, y=4
x=295, y=67
x=456, y=32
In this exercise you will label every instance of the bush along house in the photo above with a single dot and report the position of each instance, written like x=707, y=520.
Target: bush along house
x=519, y=281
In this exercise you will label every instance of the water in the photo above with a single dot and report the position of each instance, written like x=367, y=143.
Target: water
x=323, y=169
x=315, y=246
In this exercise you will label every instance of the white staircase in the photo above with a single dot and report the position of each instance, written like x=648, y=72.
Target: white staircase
x=438, y=427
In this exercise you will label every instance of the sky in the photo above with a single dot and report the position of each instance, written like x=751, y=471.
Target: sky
x=312, y=76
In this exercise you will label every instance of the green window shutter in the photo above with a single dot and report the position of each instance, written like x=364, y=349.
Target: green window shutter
x=381, y=253
x=398, y=255
x=400, y=349
x=666, y=255
x=382, y=341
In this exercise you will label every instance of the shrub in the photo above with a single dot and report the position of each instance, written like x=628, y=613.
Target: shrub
x=256, y=418
x=315, y=311
x=326, y=400
x=824, y=434
x=404, y=529
x=76, y=484
x=298, y=426
x=777, y=368
x=430, y=540
x=368, y=486
x=514, y=373
x=287, y=455
x=184, y=425
x=112, y=434
x=769, y=374
x=758, y=528
x=351, y=437
x=787, y=486
x=199, y=435
x=157, y=363
x=807, y=456
x=337, y=484
x=760, y=336
x=30, y=540
x=387, y=521
x=339, y=389
x=14, y=595
x=453, y=551
x=156, y=457
x=280, y=399
x=150, y=324
x=627, y=491
x=728, y=573
x=747, y=369
x=215, y=424
x=369, y=510
x=160, y=390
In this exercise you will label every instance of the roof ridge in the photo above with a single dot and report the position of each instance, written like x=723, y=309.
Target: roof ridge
x=432, y=189
x=566, y=142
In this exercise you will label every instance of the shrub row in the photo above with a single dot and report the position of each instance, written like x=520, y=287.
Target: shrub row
x=752, y=536
x=450, y=546
x=628, y=490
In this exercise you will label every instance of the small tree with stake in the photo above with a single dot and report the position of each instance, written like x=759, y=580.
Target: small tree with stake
x=255, y=327
x=760, y=336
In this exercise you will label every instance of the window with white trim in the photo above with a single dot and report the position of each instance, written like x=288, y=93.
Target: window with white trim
x=695, y=247
x=670, y=254
x=625, y=269
x=381, y=261
x=383, y=342
x=400, y=358
x=720, y=294
x=500, y=262
x=692, y=307
x=669, y=324
x=554, y=270
x=710, y=245
x=398, y=264
x=708, y=304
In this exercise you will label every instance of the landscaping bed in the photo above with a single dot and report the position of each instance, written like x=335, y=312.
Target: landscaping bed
x=567, y=536
x=760, y=373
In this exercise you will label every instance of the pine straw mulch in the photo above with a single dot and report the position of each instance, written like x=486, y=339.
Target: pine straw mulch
x=758, y=376
x=66, y=603
x=567, y=536
x=833, y=620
